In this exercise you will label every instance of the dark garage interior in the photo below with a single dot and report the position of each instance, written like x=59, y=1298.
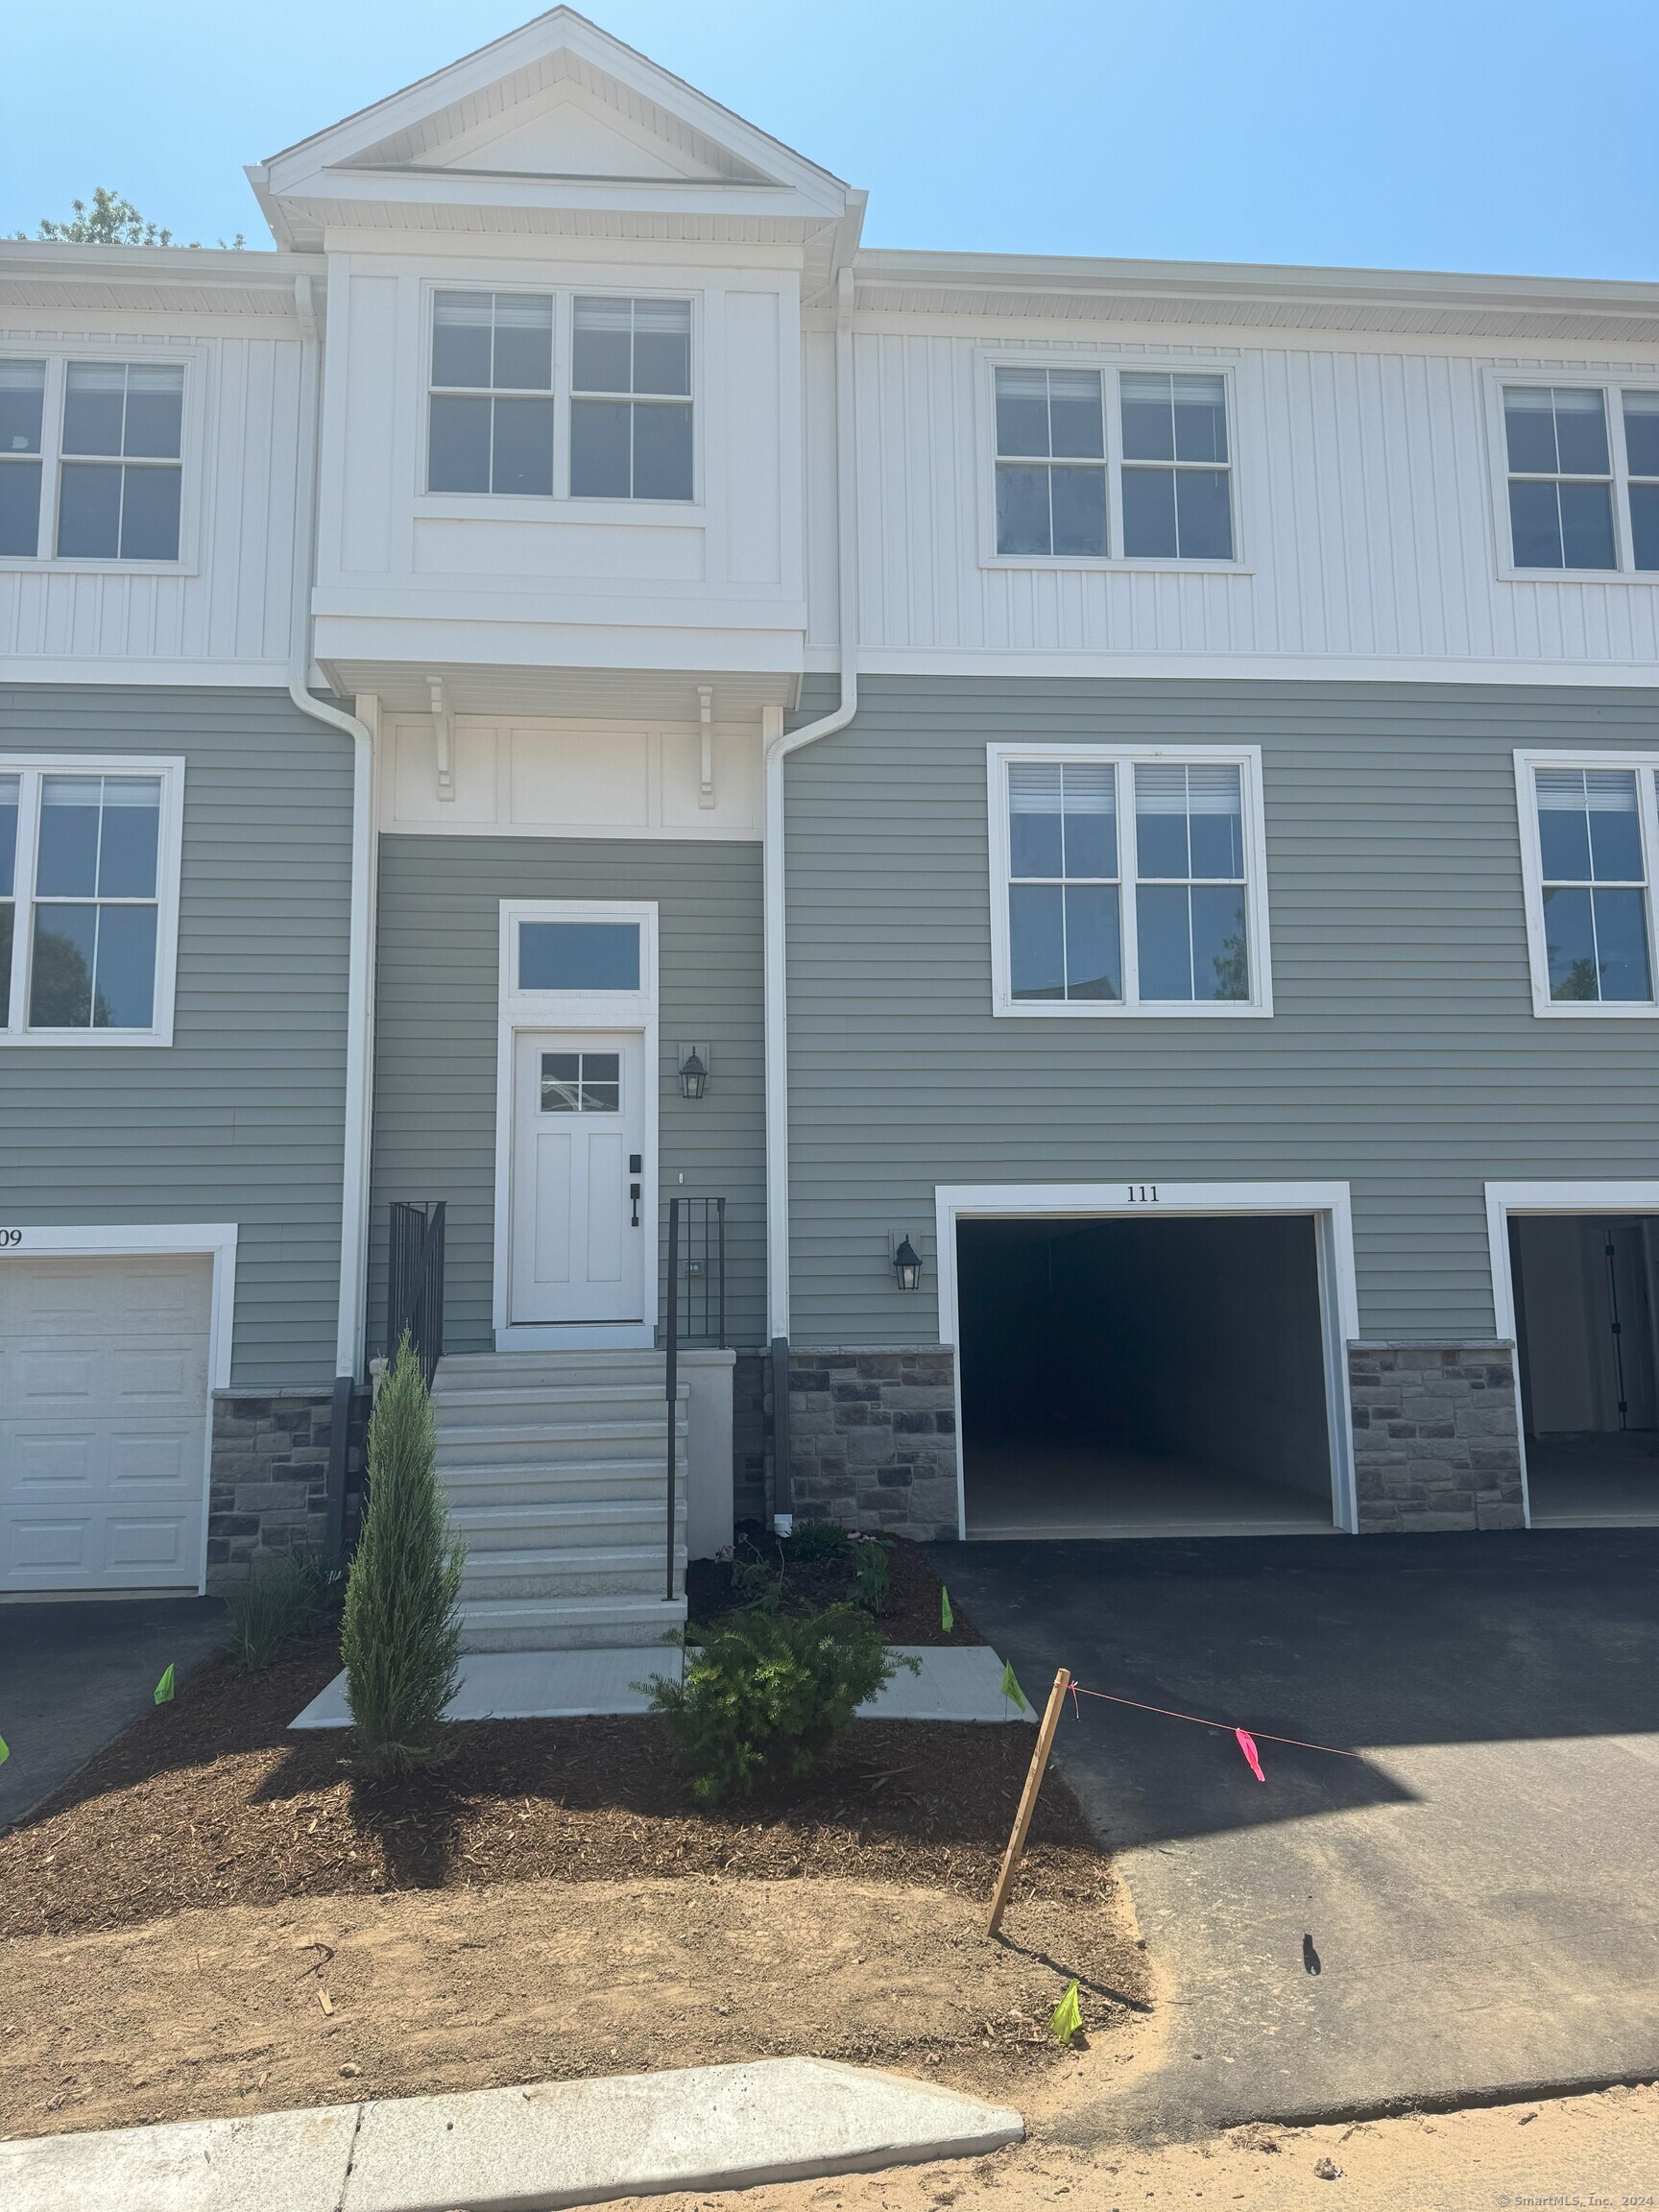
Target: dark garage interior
x=1584, y=1326
x=1143, y=1377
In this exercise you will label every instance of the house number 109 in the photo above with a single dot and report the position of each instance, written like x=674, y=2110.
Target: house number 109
x=1142, y=1193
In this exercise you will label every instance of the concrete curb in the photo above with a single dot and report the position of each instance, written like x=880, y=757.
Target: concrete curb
x=523, y=2150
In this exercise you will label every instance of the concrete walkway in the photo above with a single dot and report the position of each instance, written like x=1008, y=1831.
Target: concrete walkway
x=948, y=1682
x=73, y=1674
x=552, y=2142
x=1469, y=1907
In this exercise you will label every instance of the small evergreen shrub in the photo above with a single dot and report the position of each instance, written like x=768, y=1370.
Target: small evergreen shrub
x=273, y=1606
x=814, y=1540
x=765, y=1695
x=401, y=1636
x=872, y=1574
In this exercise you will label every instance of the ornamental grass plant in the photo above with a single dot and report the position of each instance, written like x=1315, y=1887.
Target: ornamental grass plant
x=401, y=1636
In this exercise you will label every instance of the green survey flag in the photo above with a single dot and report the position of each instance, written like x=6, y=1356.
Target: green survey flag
x=947, y=1619
x=164, y=1688
x=4, y=1750
x=1066, y=2019
x=1012, y=1688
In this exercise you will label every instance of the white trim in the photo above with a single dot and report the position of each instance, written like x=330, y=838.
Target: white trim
x=169, y=859
x=1109, y=367
x=215, y=1241
x=1329, y=1203
x=634, y=1011
x=1612, y=384
x=1503, y=1199
x=1015, y=664
x=1131, y=1007
x=1645, y=766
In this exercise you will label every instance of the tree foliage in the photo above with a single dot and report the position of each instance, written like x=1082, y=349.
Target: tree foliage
x=113, y=221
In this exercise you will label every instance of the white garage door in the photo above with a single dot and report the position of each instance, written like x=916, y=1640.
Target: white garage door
x=103, y=1422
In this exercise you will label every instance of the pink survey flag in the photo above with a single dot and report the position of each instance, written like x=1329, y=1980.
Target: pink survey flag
x=1247, y=1745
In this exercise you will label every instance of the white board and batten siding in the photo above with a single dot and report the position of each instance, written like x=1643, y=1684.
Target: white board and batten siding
x=111, y=1343
x=1368, y=511
x=223, y=612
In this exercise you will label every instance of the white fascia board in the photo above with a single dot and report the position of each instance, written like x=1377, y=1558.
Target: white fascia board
x=240, y=269
x=1256, y=280
x=87, y=668
x=560, y=645
x=341, y=191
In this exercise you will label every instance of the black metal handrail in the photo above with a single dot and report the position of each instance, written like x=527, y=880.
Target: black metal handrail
x=696, y=1260
x=415, y=1281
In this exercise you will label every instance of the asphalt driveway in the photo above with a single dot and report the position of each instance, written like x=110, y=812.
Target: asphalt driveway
x=1470, y=1907
x=72, y=1675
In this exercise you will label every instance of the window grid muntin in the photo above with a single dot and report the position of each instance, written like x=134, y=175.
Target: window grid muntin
x=1134, y=1001
x=632, y=398
x=491, y=394
x=17, y=1024
x=1092, y=783
x=1075, y=468
x=1176, y=465
x=77, y=463
x=1601, y=785
x=1155, y=786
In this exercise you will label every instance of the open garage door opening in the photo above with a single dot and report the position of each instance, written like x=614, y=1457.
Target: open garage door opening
x=1586, y=1293
x=1146, y=1377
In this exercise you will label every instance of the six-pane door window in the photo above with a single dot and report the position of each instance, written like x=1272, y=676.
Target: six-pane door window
x=1593, y=886
x=490, y=422
x=22, y=404
x=1185, y=938
x=80, y=890
x=1177, y=501
x=630, y=399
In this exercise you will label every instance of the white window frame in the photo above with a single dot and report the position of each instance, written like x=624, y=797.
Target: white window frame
x=1612, y=385
x=1644, y=765
x=487, y=506
x=169, y=851
x=1247, y=759
x=58, y=355
x=521, y=1010
x=1109, y=370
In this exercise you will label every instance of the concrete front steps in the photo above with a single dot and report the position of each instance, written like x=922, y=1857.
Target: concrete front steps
x=555, y=1465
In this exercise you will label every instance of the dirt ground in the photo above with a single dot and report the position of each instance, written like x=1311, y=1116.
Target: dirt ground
x=1600, y=2151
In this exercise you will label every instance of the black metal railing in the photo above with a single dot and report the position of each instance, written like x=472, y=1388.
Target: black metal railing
x=695, y=1311
x=415, y=1281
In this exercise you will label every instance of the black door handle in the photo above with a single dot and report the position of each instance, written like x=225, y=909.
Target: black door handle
x=634, y=1194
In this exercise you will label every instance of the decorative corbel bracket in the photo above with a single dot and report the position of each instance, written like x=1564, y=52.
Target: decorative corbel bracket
x=706, y=718
x=444, y=726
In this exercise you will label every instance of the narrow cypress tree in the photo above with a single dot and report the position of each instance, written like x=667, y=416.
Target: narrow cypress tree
x=401, y=1637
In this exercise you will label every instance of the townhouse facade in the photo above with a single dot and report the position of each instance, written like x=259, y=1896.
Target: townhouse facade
x=1106, y=811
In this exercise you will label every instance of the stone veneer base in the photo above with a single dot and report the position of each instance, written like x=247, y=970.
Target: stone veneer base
x=1436, y=1441
x=269, y=1489
x=872, y=1439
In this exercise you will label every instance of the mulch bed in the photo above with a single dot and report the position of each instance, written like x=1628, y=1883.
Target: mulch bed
x=209, y=1800
x=913, y=1610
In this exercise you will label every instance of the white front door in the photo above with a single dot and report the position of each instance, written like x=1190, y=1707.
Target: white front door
x=579, y=1187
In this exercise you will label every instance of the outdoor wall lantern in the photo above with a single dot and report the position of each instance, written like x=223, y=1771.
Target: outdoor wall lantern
x=693, y=1075
x=907, y=1265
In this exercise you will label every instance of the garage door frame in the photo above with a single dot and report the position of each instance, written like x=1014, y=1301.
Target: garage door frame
x=215, y=1241
x=1506, y=1199
x=1328, y=1205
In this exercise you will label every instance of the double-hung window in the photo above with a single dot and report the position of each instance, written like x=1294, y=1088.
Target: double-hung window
x=1127, y=879
x=630, y=399
x=1589, y=837
x=22, y=404
x=491, y=406
x=1133, y=465
x=1581, y=466
x=114, y=434
x=88, y=900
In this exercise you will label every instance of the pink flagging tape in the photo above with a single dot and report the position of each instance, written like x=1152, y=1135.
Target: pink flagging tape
x=1247, y=1745
x=1198, y=1722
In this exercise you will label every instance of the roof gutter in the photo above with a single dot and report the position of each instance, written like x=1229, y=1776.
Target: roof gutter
x=778, y=748
x=359, y=1001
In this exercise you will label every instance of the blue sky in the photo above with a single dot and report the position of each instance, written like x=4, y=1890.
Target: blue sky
x=1511, y=136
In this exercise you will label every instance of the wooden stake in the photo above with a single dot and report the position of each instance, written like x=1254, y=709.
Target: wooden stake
x=1028, y=1797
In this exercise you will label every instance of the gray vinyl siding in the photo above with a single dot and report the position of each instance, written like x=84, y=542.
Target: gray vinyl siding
x=437, y=999
x=1403, y=1055
x=239, y=1119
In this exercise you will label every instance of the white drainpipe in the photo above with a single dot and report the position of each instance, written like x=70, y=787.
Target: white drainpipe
x=359, y=1001
x=778, y=747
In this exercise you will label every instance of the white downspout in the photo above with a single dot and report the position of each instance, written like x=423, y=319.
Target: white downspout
x=359, y=1001
x=778, y=747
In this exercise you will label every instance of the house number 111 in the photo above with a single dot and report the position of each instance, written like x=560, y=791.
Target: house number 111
x=1142, y=1193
